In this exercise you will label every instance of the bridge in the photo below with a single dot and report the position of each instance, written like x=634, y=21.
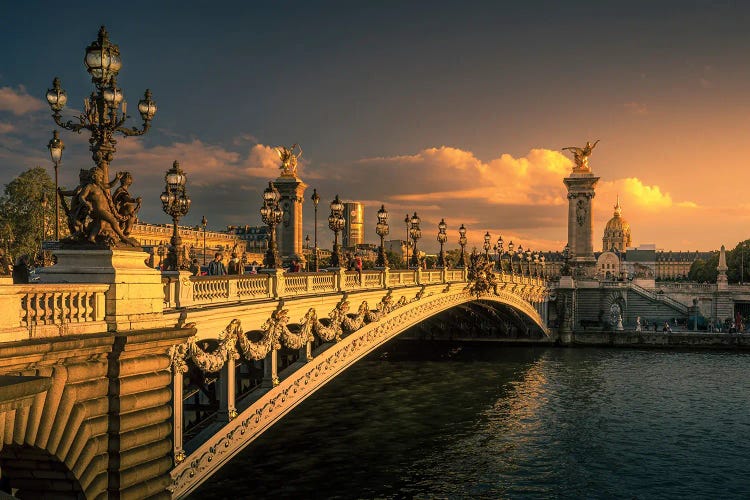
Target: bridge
x=118, y=381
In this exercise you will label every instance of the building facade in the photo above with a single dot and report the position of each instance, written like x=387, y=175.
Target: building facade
x=354, y=224
x=616, y=232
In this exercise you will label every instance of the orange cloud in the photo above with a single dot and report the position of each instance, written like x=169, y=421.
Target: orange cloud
x=18, y=101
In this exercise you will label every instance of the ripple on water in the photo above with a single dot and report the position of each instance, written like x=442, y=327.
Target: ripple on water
x=500, y=422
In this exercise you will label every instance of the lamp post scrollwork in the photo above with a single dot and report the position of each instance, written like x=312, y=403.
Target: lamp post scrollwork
x=93, y=216
x=176, y=204
x=336, y=224
x=462, y=242
x=416, y=233
x=382, y=230
x=442, y=237
x=272, y=215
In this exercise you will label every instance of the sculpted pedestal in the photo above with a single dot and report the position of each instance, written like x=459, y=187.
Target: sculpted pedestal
x=135, y=299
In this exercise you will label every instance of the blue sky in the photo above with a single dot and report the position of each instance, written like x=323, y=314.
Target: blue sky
x=452, y=109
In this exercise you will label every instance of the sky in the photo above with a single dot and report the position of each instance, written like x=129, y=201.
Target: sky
x=455, y=110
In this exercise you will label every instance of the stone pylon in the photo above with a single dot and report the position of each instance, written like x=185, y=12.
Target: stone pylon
x=721, y=280
x=581, y=193
x=289, y=232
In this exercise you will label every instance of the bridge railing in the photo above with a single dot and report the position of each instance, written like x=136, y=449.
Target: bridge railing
x=41, y=310
x=182, y=290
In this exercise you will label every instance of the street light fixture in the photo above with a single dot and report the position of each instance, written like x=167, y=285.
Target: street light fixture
x=102, y=116
x=462, y=241
x=316, y=199
x=415, y=234
x=500, y=250
x=176, y=204
x=336, y=224
x=442, y=237
x=486, y=245
x=56, y=146
x=407, y=220
x=271, y=215
x=511, y=247
x=203, y=224
x=160, y=251
x=382, y=229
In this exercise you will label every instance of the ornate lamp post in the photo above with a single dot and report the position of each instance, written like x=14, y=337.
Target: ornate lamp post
x=271, y=215
x=528, y=261
x=442, y=237
x=565, y=269
x=520, y=254
x=56, y=146
x=336, y=224
x=316, y=199
x=44, y=201
x=415, y=234
x=176, y=204
x=160, y=251
x=382, y=229
x=407, y=220
x=102, y=116
x=511, y=246
x=486, y=245
x=203, y=224
x=462, y=241
x=500, y=250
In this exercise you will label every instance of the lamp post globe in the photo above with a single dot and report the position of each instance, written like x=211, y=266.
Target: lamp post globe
x=462, y=242
x=407, y=220
x=442, y=237
x=382, y=229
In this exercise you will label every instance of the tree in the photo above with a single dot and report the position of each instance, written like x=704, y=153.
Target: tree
x=395, y=261
x=704, y=270
x=737, y=262
x=22, y=218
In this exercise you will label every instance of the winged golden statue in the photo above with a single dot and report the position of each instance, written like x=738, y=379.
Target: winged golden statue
x=289, y=159
x=581, y=156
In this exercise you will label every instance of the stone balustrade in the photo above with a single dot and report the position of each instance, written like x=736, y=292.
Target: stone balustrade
x=182, y=290
x=45, y=310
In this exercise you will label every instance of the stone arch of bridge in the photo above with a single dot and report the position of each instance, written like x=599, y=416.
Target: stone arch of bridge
x=252, y=420
x=32, y=472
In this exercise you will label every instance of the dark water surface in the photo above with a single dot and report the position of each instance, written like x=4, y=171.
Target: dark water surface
x=421, y=420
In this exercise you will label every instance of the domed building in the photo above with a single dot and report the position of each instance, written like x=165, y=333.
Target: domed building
x=617, y=232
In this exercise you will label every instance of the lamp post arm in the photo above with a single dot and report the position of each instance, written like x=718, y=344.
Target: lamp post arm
x=70, y=125
x=132, y=131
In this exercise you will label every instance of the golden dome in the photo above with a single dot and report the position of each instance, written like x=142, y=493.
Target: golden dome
x=616, y=232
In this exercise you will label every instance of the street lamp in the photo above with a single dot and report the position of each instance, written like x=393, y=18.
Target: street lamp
x=542, y=259
x=56, y=146
x=521, y=255
x=511, y=246
x=407, y=220
x=203, y=223
x=528, y=261
x=102, y=116
x=336, y=224
x=307, y=242
x=176, y=204
x=486, y=245
x=442, y=237
x=382, y=229
x=271, y=215
x=160, y=251
x=316, y=199
x=462, y=241
x=415, y=234
x=500, y=250
x=44, y=201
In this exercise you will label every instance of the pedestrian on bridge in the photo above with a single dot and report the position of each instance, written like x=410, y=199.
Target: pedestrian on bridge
x=216, y=267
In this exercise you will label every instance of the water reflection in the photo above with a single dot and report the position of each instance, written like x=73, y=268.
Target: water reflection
x=435, y=421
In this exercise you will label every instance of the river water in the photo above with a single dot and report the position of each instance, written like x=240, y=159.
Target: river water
x=422, y=420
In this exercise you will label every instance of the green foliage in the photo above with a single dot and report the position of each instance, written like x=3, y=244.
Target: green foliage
x=452, y=256
x=737, y=262
x=395, y=260
x=22, y=217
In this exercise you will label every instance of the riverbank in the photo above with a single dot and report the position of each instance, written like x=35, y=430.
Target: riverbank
x=697, y=340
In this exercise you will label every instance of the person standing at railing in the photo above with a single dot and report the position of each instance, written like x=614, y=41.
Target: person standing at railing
x=216, y=267
x=358, y=268
x=234, y=265
x=194, y=269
